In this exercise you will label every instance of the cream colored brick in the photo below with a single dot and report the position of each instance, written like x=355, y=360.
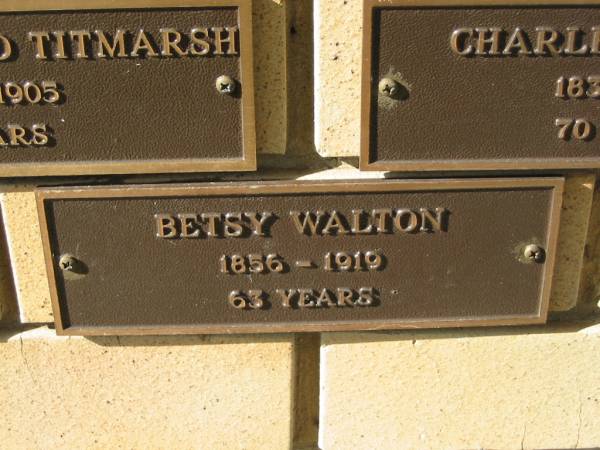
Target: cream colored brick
x=338, y=46
x=575, y=217
x=27, y=257
x=269, y=41
x=344, y=171
x=589, y=302
x=145, y=392
x=8, y=304
x=510, y=388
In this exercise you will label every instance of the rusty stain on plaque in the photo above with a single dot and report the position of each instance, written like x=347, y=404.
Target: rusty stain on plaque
x=300, y=256
x=480, y=87
x=131, y=88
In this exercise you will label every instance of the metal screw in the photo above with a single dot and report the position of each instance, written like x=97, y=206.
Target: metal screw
x=67, y=263
x=534, y=252
x=225, y=85
x=388, y=87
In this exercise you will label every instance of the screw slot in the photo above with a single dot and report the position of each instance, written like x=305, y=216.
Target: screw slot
x=225, y=85
x=389, y=87
x=71, y=265
x=67, y=263
x=392, y=89
x=534, y=253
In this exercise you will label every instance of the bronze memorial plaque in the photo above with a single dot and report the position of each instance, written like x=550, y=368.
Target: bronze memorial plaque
x=126, y=86
x=300, y=256
x=480, y=87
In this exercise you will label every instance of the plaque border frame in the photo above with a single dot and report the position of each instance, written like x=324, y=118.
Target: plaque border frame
x=555, y=184
x=153, y=166
x=366, y=161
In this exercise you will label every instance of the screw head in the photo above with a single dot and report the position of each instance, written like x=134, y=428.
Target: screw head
x=225, y=84
x=67, y=263
x=534, y=253
x=388, y=87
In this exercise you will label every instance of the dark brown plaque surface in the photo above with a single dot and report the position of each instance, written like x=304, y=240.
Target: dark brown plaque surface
x=465, y=105
x=176, y=259
x=151, y=107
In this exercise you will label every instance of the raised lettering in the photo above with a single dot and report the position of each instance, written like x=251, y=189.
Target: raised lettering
x=199, y=46
x=286, y=296
x=325, y=299
x=406, y=220
x=212, y=219
x=306, y=222
x=59, y=37
x=517, y=40
x=493, y=39
x=231, y=225
x=305, y=299
x=38, y=38
x=6, y=48
x=165, y=226
x=189, y=225
x=335, y=223
x=80, y=37
x=39, y=134
x=547, y=39
x=17, y=135
x=142, y=43
x=459, y=38
x=573, y=39
x=382, y=216
x=170, y=39
x=258, y=221
x=429, y=222
x=356, y=222
x=108, y=50
x=230, y=40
